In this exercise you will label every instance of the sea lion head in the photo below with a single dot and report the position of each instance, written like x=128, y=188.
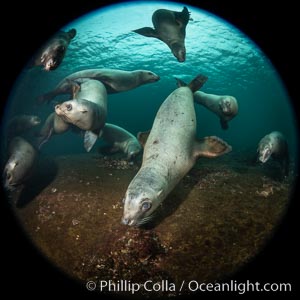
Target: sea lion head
x=9, y=175
x=141, y=201
x=146, y=76
x=53, y=56
x=228, y=106
x=178, y=50
x=76, y=112
x=133, y=148
x=265, y=150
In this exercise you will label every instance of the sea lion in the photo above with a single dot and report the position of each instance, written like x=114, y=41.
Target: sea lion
x=274, y=145
x=225, y=107
x=52, y=53
x=115, y=81
x=170, y=152
x=87, y=111
x=22, y=157
x=169, y=27
x=120, y=139
x=20, y=124
x=54, y=124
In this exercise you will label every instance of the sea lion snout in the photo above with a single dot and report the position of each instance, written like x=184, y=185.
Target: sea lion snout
x=179, y=51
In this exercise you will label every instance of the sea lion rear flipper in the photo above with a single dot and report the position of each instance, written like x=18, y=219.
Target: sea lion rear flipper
x=210, y=146
x=90, y=139
x=224, y=124
x=142, y=137
x=182, y=17
x=180, y=82
x=146, y=31
x=197, y=82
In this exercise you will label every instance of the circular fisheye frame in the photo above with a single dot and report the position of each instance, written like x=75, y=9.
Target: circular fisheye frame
x=173, y=105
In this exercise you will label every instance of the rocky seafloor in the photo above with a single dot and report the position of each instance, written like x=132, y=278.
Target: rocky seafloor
x=214, y=222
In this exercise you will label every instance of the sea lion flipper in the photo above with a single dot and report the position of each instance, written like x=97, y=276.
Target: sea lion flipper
x=142, y=137
x=183, y=17
x=197, y=82
x=224, y=124
x=146, y=31
x=210, y=146
x=180, y=82
x=90, y=139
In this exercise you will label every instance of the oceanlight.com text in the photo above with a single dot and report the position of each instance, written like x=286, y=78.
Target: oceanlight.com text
x=191, y=286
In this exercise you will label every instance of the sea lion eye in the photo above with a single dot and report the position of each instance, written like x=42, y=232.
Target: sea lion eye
x=69, y=107
x=146, y=205
x=123, y=200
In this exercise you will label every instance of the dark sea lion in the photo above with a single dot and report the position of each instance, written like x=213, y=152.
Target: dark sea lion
x=170, y=152
x=87, y=112
x=52, y=53
x=169, y=27
x=115, y=81
x=120, y=140
x=20, y=124
x=225, y=107
x=274, y=145
x=18, y=168
x=53, y=125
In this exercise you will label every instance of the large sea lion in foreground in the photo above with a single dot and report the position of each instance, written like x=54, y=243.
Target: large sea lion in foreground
x=19, y=166
x=53, y=125
x=169, y=27
x=20, y=124
x=115, y=81
x=52, y=53
x=225, y=107
x=87, y=112
x=274, y=145
x=120, y=139
x=170, y=152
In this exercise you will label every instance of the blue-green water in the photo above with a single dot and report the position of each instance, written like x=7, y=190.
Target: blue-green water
x=233, y=64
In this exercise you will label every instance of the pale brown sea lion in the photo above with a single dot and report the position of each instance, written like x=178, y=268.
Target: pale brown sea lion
x=170, y=152
x=224, y=106
x=169, y=27
x=87, y=111
x=120, y=139
x=52, y=53
x=274, y=145
x=115, y=81
x=18, y=168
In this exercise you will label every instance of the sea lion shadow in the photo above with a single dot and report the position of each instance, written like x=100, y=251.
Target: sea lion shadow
x=44, y=173
x=170, y=204
x=272, y=170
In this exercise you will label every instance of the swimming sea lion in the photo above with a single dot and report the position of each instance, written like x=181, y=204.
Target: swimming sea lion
x=21, y=124
x=169, y=27
x=115, y=81
x=52, y=53
x=170, y=152
x=225, y=107
x=274, y=145
x=19, y=166
x=87, y=112
x=120, y=139
x=53, y=125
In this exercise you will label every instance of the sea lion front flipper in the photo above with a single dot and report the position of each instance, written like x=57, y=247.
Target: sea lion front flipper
x=183, y=17
x=146, y=31
x=224, y=124
x=210, y=146
x=180, y=82
x=142, y=137
x=90, y=138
